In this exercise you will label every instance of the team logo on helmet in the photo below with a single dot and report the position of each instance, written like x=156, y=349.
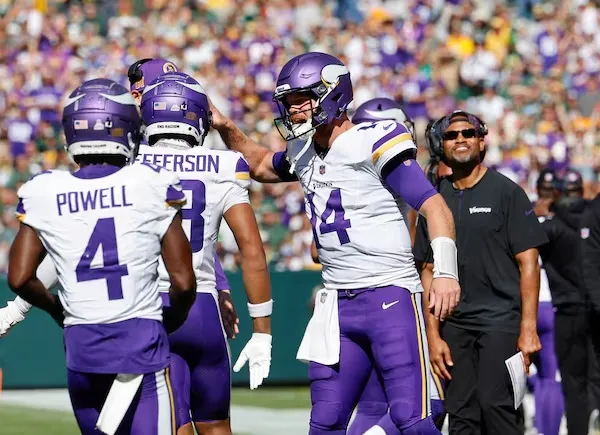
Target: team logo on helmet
x=169, y=67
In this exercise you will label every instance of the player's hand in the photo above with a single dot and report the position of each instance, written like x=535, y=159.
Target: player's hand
x=258, y=354
x=217, y=119
x=9, y=318
x=443, y=297
x=228, y=314
x=528, y=343
x=439, y=355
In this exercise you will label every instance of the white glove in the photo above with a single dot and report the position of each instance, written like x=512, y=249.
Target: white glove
x=13, y=313
x=258, y=354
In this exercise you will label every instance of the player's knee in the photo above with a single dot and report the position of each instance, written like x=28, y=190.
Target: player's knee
x=186, y=429
x=222, y=427
x=372, y=408
x=401, y=412
x=327, y=416
x=422, y=427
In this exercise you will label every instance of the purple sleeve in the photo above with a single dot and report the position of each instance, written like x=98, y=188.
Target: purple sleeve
x=221, y=279
x=408, y=181
x=282, y=167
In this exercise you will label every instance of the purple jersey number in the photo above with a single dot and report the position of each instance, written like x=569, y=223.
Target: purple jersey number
x=194, y=213
x=339, y=225
x=104, y=235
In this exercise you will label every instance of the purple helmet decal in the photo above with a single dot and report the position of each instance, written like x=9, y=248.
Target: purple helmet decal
x=175, y=104
x=328, y=82
x=145, y=71
x=101, y=117
x=379, y=109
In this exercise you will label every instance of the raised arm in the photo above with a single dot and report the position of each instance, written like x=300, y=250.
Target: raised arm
x=265, y=166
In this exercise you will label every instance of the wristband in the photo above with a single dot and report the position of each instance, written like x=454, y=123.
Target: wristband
x=263, y=309
x=445, y=263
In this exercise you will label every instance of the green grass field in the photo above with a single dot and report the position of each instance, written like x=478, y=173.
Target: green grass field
x=272, y=398
x=17, y=420
x=20, y=421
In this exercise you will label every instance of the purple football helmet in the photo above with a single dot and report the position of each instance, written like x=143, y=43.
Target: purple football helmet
x=175, y=105
x=379, y=109
x=101, y=117
x=144, y=71
x=326, y=79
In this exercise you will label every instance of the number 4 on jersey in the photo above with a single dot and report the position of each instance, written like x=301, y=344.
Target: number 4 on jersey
x=340, y=224
x=104, y=235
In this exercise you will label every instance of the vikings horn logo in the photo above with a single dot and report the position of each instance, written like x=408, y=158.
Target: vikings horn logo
x=169, y=67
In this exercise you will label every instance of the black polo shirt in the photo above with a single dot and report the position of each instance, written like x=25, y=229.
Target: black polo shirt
x=494, y=222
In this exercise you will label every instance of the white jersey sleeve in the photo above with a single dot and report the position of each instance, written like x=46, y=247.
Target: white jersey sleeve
x=237, y=190
x=33, y=203
x=388, y=139
x=169, y=192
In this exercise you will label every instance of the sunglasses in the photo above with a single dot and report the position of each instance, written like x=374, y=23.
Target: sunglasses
x=467, y=134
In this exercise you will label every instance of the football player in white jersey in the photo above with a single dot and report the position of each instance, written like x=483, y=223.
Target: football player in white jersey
x=140, y=73
x=105, y=227
x=355, y=178
x=373, y=407
x=177, y=118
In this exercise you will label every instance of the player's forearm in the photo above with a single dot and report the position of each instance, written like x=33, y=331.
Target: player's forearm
x=182, y=296
x=530, y=288
x=259, y=158
x=432, y=325
x=34, y=293
x=439, y=218
x=258, y=289
x=442, y=235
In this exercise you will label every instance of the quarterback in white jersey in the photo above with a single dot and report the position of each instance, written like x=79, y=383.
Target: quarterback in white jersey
x=354, y=177
x=105, y=227
x=359, y=217
x=177, y=118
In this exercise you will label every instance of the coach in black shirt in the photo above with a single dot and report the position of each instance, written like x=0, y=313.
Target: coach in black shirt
x=497, y=236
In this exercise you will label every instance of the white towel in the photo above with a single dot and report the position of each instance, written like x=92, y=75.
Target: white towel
x=118, y=401
x=321, y=341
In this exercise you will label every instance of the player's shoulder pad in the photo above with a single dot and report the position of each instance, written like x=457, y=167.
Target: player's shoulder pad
x=38, y=183
x=165, y=182
x=232, y=165
x=383, y=135
x=155, y=174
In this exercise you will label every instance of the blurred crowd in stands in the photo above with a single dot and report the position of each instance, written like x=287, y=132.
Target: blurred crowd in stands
x=529, y=68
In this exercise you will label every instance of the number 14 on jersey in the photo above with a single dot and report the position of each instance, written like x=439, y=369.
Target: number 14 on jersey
x=339, y=225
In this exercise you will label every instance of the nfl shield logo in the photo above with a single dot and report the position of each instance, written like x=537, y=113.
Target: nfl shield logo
x=323, y=297
x=585, y=233
x=322, y=169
